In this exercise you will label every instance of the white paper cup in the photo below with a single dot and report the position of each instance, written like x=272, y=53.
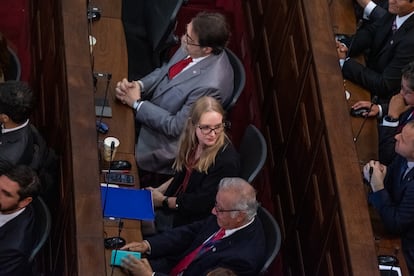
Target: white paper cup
x=109, y=154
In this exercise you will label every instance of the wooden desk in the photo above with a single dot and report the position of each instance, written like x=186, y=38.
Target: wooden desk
x=110, y=56
x=367, y=142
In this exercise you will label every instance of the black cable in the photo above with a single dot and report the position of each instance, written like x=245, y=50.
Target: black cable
x=108, y=81
x=120, y=226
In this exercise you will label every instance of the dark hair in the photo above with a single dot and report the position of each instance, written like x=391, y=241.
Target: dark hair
x=16, y=100
x=25, y=176
x=408, y=74
x=212, y=30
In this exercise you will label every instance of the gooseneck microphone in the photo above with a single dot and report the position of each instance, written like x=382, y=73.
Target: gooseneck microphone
x=107, y=178
x=373, y=101
x=358, y=26
x=100, y=126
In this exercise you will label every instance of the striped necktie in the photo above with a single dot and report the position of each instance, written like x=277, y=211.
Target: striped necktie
x=394, y=27
x=186, y=261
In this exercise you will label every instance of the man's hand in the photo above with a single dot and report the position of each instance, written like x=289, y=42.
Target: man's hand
x=137, y=267
x=128, y=92
x=397, y=106
x=366, y=104
x=142, y=246
x=376, y=178
x=341, y=49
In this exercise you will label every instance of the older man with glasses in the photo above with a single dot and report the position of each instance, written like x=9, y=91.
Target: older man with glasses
x=162, y=99
x=233, y=238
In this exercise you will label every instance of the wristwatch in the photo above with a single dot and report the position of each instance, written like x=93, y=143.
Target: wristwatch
x=165, y=203
x=390, y=119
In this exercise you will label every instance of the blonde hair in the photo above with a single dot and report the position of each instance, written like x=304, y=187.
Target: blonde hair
x=188, y=140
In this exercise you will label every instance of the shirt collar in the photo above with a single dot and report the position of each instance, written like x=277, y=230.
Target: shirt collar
x=5, y=130
x=399, y=20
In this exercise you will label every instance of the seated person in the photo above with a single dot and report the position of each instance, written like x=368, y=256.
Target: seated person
x=233, y=239
x=387, y=44
x=16, y=104
x=205, y=156
x=162, y=99
x=397, y=113
x=19, y=186
x=393, y=191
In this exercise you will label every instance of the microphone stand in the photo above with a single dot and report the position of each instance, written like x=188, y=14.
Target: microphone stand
x=107, y=179
x=374, y=100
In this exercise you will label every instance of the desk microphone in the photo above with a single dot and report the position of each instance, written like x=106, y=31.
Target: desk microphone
x=100, y=126
x=373, y=101
x=358, y=26
x=107, y=178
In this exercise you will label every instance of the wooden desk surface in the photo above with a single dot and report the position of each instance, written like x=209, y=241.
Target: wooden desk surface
x=343, y=20
x=110, y=56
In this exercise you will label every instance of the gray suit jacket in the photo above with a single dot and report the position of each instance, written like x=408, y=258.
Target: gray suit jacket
x=167, y=105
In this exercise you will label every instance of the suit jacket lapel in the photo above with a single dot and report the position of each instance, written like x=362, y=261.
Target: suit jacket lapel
x=188, y=74
x=399, y=34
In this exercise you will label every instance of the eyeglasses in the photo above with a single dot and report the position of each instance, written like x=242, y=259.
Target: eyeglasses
x=207, y=129
x=219, y=210
x=188, y=39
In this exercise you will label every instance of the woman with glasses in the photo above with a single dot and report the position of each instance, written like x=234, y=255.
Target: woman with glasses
x=205, y=156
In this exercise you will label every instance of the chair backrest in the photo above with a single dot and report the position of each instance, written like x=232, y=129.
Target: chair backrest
x=43, y=223
x=239, y=78
x=273, y=237
x=15, y=69
x=253, y=153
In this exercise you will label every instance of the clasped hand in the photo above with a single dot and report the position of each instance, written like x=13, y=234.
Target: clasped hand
x=341, y=49
x=128, y=92
x=376, y=178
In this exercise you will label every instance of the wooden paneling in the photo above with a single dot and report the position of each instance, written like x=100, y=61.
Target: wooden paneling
x=319, y=198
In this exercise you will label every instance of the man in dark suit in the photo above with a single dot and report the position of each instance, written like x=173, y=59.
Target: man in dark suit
x=387, y=44
x=241, y=249
x=393, y=191
x=19, y=185
x=16, y=104
x=162, y=99
x=393, y=115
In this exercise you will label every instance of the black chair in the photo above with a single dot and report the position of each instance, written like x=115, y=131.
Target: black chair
x=14, y=70
x=43, y=223
x=253, y=152
x=273, y=237
x=239, y=78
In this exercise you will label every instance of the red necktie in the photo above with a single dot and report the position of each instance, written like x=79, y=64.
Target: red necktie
x=178, y=67
x=186, y=261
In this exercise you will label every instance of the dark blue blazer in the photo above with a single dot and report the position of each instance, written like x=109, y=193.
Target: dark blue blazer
x=385, y=56
x=16, y=242
x=243, y=252
x=395, y=204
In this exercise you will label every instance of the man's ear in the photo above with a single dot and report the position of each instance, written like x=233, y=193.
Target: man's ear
x=207, y=50
x=24, y=202
x=4, y=118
